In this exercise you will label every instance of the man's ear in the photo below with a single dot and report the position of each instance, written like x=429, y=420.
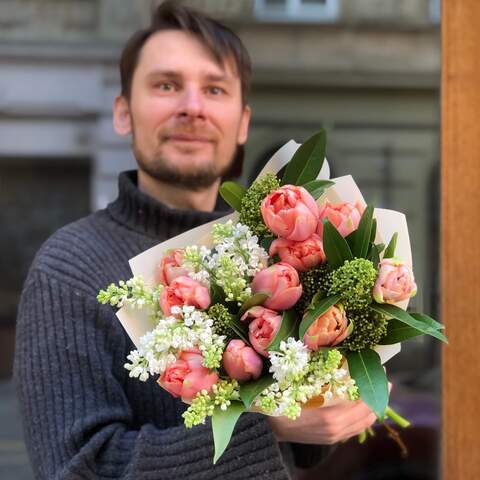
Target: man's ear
x=121, y=116
x=244, y=123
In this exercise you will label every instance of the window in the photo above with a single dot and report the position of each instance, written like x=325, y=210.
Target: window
x=297, y=10
x=435, y=11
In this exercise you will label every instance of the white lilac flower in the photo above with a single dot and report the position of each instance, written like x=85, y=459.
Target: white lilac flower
x=291, y=362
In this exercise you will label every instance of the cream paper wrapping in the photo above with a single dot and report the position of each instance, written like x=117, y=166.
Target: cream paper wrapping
x=137, y=322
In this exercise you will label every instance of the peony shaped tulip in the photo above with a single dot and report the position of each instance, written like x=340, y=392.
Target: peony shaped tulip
x=394, y=283
x=187, y=376
x=170, y=268
x=241, y=361
x=264, y=325
x=281, y=282
x=290, y=212
x=328, y=329
x=300, y=255
x=345, y=217
x=184, y=291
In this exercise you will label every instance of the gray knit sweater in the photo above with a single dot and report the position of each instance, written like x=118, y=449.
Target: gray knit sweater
x=84, y=418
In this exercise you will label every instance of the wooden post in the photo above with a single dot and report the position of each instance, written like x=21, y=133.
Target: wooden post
x=460, y=237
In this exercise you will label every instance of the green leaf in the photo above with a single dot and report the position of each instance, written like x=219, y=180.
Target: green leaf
x=374, y=255
x=232, y=193
x=319, y=295
x=307, y=161
x=253, y=301
x=266, y=242
x=392, y=244
x=288, y=328
x=336, y=247
x=366, y=369
x=350, y=238
x=315, y=312
x=398, y=331
x=240, y=329
x=364, y=232
x=374, y=230
x=250, y=391
x=393, y=311
x=223, y=423
x=217, y=294
x=425, y=318
x=317, y=187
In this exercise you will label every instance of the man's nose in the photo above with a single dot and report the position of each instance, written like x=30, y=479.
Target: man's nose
x=192, y=103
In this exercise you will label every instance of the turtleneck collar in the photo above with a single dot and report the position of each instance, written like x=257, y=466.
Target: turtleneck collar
x=148, y=216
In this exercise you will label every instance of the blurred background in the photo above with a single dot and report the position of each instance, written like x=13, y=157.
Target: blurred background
x=366, y=70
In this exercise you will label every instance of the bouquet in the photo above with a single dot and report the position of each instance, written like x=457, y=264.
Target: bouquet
x=294, y=301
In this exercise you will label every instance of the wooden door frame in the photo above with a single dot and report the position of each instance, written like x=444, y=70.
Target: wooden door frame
x=460, y=237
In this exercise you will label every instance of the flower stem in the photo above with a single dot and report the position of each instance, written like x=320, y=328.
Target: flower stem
x=398, y=419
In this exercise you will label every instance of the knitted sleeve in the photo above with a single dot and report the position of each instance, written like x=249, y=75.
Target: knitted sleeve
x=78, y=422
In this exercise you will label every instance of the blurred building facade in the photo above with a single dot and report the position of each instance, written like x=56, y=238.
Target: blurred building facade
x=367, y=71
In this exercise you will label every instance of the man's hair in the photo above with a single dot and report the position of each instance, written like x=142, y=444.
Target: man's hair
x=222, y=42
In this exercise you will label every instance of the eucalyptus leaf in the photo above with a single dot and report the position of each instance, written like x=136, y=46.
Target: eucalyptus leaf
x=250, y=391
x=253, y=301
x=366, y=369
x=393, y=311
x=392, y=244
x=364, y=232
x=307, y=161
x=288, y=328
x=223, y=423
x=316, y=188
x=315, y=312
x=233, y=193
x=335, y=246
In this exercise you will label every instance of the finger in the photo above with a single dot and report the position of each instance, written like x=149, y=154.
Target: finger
x=358, y=427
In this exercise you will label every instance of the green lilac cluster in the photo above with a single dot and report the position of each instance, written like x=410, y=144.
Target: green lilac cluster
x=204, y=403
x=221, y=318
x=133, y=292
x=250, y=213
x=354, y=281
x=212, y=352
x=369, y=328
x=230, y=278
x=312, y=281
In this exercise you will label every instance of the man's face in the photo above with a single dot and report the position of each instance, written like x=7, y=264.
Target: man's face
x=185, y=111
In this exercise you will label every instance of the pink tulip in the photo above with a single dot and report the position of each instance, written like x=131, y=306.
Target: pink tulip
x=184, y=291
x=301, y=255
x=281, y=282
x=394, y=283
x=290, y=212
x=170, y=268
x=328, y=329
x=264, y=325
x=241, y=362
x=345, y=217
x=187, y=376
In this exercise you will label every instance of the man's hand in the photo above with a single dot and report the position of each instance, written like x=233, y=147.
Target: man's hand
x=324, y=426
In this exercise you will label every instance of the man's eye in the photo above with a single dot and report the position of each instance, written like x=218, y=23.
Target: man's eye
x=165, y=86
x=216, y=90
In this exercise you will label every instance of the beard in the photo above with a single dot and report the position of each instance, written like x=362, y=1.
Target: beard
x=163, y=169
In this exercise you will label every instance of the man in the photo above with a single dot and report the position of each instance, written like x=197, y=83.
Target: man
x=185, y=83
